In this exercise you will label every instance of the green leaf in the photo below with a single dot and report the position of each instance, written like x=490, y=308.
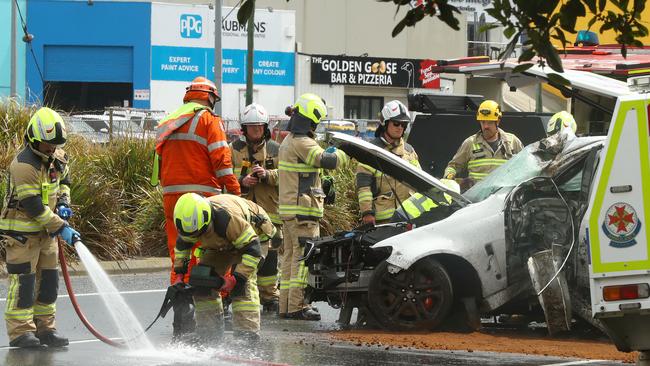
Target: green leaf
x=245, y=11
x=558, y=79
x=591, y=22
x=487, y=27
x=399, y=27
x=508, y=32
x=552, y=57
x=509, y=48
x=522, y=67
x=601, y=5
x=591, y=4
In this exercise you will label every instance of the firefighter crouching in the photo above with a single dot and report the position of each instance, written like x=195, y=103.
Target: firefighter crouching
x=232, y=231
x=255, y=157
x=301, y=199
x=484, y=151
x=39, y=189
x=376, y=191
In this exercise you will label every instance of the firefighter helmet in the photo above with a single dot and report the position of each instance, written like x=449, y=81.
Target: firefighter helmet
x=192, y=215
x=46, y=125
x=254, y=114
x=489, y=110
x=201, y=88
x=311, y=106
x=395, y=111
x=560, y=120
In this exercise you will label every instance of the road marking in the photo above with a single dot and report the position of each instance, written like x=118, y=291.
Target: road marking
x=582, y=362
x=97, y=293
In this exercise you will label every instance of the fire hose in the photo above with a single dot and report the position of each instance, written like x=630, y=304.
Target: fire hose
x=75, y=304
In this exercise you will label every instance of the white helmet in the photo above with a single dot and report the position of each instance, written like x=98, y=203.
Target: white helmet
x=254, y=114
x=395, y=111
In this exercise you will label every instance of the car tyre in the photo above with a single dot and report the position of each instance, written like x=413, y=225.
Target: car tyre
x=414, y=299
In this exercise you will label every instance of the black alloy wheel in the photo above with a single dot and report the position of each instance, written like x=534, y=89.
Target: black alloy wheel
x=418, y=298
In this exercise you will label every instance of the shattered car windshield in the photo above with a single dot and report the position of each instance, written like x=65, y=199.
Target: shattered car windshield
x=523, y=166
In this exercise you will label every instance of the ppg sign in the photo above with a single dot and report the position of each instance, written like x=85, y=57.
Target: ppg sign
x=191, y=26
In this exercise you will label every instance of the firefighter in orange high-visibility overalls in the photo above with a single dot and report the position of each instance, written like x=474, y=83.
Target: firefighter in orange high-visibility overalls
x=192, y=155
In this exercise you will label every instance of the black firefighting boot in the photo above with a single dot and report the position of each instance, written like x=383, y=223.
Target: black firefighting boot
x=304, y=314
x=51, y=338
x=27, y=340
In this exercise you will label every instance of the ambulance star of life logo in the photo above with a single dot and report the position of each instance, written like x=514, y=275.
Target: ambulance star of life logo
x=621, y=225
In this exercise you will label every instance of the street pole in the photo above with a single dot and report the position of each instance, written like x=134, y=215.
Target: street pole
x=249, y=56
x=14, y=51
x=217, y=53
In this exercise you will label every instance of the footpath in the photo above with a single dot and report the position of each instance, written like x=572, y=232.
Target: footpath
x=138, y=265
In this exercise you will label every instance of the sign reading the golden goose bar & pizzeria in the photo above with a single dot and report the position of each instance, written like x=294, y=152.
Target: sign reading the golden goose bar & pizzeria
x=374, y=71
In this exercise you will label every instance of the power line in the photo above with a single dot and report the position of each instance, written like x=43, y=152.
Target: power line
x=28, y=39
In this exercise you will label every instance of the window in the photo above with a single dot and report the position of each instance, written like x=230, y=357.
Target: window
x=356, y=107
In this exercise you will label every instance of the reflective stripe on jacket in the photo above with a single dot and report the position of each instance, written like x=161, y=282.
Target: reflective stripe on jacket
x=301, y=194
x=194, y=152
x=265, y=193
x=375, y=190
x=476, y=157
x=36, y=185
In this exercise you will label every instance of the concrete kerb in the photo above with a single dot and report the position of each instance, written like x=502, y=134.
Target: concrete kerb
x=143, y=265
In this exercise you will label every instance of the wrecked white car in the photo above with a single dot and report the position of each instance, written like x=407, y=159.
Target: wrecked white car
x=471, y=258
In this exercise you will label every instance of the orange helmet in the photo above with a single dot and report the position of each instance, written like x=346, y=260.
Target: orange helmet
x=200, y=88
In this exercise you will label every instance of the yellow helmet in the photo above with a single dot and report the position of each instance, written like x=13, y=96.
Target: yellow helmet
x=46, y=126
x=489, y=110
x=311, y=106
x=192, y=215
x=560, y=120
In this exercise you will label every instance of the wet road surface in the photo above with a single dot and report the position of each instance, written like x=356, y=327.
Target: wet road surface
x=284, y=341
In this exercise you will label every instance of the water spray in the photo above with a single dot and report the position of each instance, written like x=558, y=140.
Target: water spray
x=75, y=304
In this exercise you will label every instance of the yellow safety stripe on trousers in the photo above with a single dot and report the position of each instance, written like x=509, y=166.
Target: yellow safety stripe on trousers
x=44, y=217
x=28, y=190
x=239, y=306
x=182, y=254
x=485, y=162
x=312, y=154
x=365, y=196
x=179, y=188
x=284, y=285
x=267, y=280
x=275, y=218
x=11, y=311
x=208, y=304
x=300, y=210
x=297, y=167
x=301, y=280
x=21, y=226
x=478, y=176
x=44, y=309
x=384, y=214
x=244, y=238
x=249, y=260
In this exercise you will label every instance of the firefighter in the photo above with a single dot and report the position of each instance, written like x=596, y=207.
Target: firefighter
x=255, y=157
x=559, y=121
x=485, y=150
x=232, y=231
x=377, y=192
x=36, y=207
x=420, y=209
x=193, y=156
x=301, y=199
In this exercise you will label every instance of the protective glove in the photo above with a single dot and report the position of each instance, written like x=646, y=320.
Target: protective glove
x=331, y=150
x=64, y=212
x=249, y=181
x=368, y=219
x=234, y=283
x=69, y=234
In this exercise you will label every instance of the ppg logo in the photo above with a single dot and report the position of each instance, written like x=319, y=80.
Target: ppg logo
x=191, y=26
